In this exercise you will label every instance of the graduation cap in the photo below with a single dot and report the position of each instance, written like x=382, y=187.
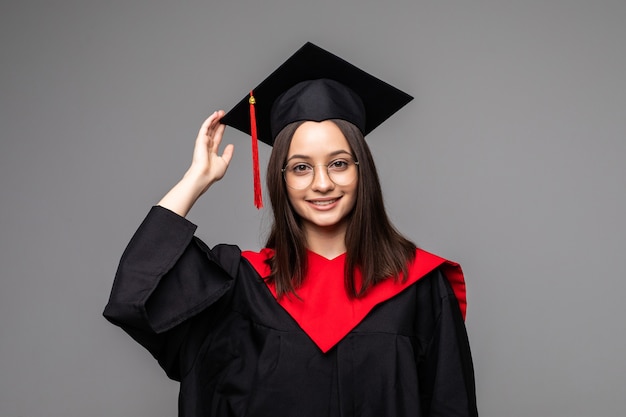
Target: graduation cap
x=313, y=84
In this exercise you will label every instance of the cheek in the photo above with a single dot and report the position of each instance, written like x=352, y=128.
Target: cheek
x=354, y=194
x=290, y=194
x=293, y=197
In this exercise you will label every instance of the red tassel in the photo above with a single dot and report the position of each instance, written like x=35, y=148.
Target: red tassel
x=256, y=172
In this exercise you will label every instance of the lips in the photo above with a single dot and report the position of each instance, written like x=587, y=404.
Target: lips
x=323, y=203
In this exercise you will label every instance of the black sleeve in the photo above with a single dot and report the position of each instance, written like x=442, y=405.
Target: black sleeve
x=445, y=367
x=165, y=279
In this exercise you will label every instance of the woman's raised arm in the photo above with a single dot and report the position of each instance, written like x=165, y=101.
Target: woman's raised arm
x=206, y=168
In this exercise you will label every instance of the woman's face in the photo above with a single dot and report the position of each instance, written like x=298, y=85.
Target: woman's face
x=316, y=149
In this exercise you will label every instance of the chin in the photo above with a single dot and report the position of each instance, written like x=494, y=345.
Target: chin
x=330, y=223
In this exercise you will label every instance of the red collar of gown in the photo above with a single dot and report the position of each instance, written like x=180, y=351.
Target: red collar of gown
x=326, y=313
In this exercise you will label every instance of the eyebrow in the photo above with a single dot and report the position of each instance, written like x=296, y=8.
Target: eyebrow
x=335, y=153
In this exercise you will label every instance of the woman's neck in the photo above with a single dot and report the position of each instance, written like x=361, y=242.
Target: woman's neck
x=327, y=242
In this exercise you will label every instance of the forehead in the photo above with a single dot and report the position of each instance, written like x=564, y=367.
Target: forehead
x=318, y=139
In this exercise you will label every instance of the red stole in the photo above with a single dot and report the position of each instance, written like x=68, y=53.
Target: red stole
x=326, y=313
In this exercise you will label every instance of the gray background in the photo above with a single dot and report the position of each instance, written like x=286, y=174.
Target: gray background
x=510, y=161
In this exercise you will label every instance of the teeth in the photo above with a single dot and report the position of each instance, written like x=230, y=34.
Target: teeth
x=323, y=203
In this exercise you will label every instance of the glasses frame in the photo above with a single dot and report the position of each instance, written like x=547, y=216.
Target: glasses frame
x=284, y=171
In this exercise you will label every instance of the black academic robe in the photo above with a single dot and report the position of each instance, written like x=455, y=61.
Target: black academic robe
x=213, y=324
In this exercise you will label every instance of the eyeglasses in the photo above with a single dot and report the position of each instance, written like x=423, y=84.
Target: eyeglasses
x=299, y=175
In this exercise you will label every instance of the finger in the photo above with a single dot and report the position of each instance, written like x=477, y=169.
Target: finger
x=228, y=153
x=203, y=138
x=216, y=138
x=218, y=133
x=205, y=125
x=215, y=122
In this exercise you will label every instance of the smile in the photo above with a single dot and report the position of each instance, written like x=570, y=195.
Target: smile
x=323, y=202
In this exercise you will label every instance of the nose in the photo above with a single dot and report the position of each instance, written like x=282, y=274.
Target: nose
x=321, y=180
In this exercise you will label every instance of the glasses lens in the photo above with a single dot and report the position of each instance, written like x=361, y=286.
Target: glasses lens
x=299, y=175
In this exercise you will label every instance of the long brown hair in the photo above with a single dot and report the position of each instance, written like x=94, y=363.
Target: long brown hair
x=374, y=246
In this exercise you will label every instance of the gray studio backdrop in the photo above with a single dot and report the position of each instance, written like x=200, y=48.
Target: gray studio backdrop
x=510, y=161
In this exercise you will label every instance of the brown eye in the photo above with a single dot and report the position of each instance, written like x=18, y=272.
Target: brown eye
x=338, y=165
x=301, y=169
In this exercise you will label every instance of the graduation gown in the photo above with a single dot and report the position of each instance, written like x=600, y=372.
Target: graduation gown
x=214, y=324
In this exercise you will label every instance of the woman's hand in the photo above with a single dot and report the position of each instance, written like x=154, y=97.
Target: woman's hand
x=207, y=167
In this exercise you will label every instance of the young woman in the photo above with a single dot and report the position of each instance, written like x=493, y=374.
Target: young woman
x=339, y=315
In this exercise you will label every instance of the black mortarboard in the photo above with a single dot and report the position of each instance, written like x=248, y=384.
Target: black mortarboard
x=315, y=85
x=316, y=102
